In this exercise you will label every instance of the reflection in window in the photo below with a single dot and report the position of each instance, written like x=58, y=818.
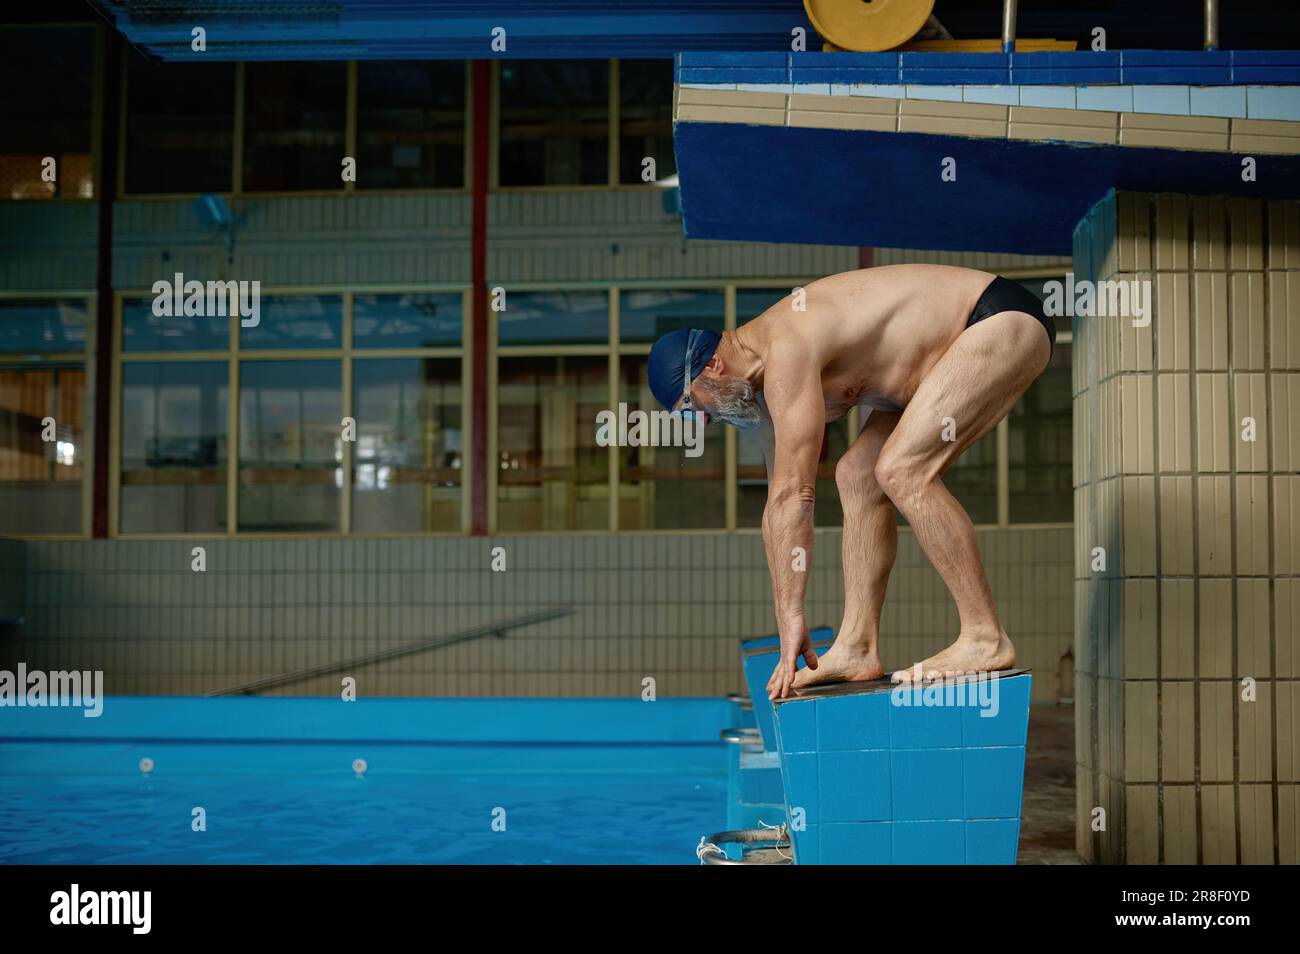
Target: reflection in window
x=174, y=447
x=662, y=488
x=751, y=477
x=142, y=330
x=180, y=126
x=645, y=92
x=40, y=480
x=645, y=315
x=406, y=463
x=973, y=479
x=554, y=123
x=290, y=445
x=554, y=318
x=295, y=321
x=294, y=125
x=551, y=473
x=42, y=325
x=1041, y=446
x=53, y=68
x=752, y=302
x=410, y=125
x=409, y=320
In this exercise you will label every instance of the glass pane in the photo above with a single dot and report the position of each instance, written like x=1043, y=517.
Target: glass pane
x=645, y=92
x=42, y=325
x=406, y=462
x=290, y=445
x=174, y=446
x=554, y=318
x=645, y=315
x=554, y=123
x=410, y=125
x=752, y=302
x=751, y=474
x=47, y=79
x=40, y=480
x=663, y=488
x=973, y=480
x=552, y=475
x=1041, y=452
x=295, y=321
x=142, y=330
x=294, y=126
x=180, y=126
x=413, y=320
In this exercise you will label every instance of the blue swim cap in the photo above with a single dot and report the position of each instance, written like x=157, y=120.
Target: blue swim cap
x=671, y=355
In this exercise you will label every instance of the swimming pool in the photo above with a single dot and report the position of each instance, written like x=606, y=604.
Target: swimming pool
x=439, y=781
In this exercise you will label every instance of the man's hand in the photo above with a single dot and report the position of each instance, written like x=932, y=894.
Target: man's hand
x=796, y=641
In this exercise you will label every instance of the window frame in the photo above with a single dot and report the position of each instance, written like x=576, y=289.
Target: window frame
x=98, y=42
x=87, y=361
x=236, y=188
x=345, y=354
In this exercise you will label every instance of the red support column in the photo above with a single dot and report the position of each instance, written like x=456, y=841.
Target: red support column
x=478, y=258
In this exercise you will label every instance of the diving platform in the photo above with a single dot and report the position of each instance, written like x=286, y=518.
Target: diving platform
x=879, y=774
x=997, y=152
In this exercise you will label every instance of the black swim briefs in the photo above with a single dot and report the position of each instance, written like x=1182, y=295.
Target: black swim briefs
x=1004, y=295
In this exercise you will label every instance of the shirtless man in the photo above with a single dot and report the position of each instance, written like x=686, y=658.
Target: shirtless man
x=912, y=345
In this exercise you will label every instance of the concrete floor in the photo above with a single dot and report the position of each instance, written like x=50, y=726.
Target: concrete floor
x=1047, y=823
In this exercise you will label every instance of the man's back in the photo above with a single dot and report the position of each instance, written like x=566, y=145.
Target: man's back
x=877, y=330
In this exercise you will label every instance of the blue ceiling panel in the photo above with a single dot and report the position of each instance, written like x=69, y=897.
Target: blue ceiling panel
x=440, y=29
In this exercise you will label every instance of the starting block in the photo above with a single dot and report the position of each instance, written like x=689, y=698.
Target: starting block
x=878, y=774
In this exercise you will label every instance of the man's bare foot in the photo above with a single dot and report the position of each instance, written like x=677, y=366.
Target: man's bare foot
x=967, y=655
x=841, y=664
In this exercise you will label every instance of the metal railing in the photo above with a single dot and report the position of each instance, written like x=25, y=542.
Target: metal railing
x=497, y=629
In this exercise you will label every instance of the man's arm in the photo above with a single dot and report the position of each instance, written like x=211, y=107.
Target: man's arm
x=793, y=392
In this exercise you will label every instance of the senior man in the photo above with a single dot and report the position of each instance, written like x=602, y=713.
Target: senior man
x=936, y=356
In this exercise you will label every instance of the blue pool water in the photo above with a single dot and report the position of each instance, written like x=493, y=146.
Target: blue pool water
x=574, y=781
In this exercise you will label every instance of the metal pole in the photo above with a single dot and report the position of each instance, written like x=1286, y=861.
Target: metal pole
x=1211, y=24
x=1009, y=25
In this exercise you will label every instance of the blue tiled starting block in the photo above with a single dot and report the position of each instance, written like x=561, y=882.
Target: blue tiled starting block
x=756, y=795
x=758, y=657
x=877, y=774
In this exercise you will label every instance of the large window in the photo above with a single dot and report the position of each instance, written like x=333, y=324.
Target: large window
x=553, y=123
x=180, y=127
x=1040, y=436
x=346, y=416
x=662, y=488
x=294, y=123
x=410, y=125
x=349, y=414
x=645, y=119
x=42, y=415
x=45, y=133
x=174, y=446
x=552, y=475
x=187, y=131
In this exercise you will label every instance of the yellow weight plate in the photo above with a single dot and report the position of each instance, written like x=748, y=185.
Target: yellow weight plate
x=867, y=27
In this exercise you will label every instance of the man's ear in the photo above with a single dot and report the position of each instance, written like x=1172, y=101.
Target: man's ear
x=715, y=365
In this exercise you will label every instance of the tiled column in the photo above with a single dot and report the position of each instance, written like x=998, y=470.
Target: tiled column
x=1196, y=606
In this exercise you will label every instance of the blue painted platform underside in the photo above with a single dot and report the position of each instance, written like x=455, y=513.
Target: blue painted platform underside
x=840, y=187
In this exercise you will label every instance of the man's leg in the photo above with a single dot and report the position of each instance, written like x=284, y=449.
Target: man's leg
x=976, y=383
x=870, y=542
